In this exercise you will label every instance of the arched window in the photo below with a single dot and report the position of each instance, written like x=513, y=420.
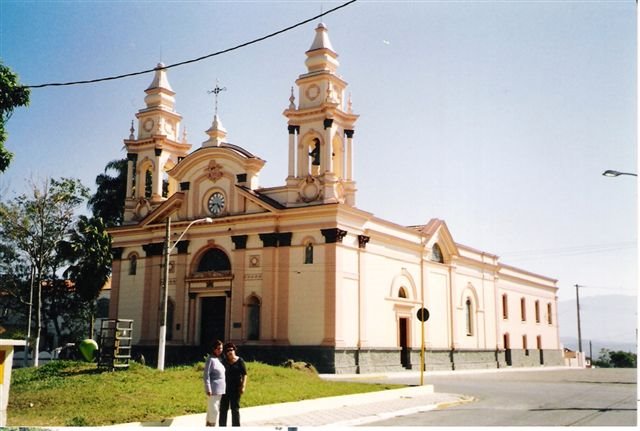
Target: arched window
x=214, y=260
x=308, y=254
x=253, y=318
x=469, y=316
x=537, y=311
x=436, y=254
x=402, y=292
x=314, y=157
x=148, y=184
x=133, y=264
x=549, y=315
x=165, y=185
x=523, y=309
x=539, y=342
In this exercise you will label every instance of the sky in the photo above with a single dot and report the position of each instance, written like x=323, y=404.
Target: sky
x=497, y=117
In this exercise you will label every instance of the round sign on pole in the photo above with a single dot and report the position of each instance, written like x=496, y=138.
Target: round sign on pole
x=423, y=314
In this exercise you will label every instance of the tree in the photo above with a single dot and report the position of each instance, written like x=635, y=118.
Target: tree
x=12, y=95
x=88, y=250
x=620, y=359
x=34, y=225
x=108, y=201
x=616, y=359
x=603, y=360
x=14, y=290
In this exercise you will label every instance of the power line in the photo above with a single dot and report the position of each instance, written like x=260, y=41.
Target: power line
x=569, y=251
x=204, y=57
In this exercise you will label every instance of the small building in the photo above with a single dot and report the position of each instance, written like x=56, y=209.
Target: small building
x=299, y=271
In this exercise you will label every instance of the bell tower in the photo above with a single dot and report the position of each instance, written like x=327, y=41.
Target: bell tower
x=155, y=150
x=321, y=131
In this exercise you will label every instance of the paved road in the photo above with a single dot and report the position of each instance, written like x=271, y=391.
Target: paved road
x=588, y=397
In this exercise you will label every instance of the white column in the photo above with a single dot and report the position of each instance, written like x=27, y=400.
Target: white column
x=130, y=171
x=328, y=149
x=303, y=159
x=292, y=151
x=349, y=134
x=157, y=176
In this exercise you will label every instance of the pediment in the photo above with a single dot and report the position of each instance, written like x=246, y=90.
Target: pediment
x=234, y=159
x=164, y=210
x=260, y=199
x=437, y=232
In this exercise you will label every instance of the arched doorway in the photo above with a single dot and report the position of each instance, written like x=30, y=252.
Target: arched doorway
x=253, y=318
x=212, y=320
x=213, y=266
x=403, y=338
x=507, y=348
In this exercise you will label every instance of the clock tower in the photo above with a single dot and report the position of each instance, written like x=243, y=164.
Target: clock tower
x=321, y=129
x=156, y=149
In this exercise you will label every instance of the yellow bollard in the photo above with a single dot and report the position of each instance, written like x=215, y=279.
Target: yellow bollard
x=6, y=364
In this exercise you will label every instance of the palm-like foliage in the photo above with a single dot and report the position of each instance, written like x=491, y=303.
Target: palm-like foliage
x=88, y=249
x=108, y=202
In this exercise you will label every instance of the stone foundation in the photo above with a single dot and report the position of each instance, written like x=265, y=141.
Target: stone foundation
x=329, y=360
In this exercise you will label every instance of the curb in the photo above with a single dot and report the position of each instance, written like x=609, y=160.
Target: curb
x=404, y=412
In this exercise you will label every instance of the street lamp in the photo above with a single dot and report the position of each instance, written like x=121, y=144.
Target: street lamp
x=168, y=248
x=611, y=173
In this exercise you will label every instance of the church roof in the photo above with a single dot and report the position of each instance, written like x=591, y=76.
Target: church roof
x=160, y=79
x=235, y=148
x=262, y=198
x=321, y=39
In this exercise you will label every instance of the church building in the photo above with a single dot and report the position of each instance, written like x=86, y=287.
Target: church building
x=298, y=271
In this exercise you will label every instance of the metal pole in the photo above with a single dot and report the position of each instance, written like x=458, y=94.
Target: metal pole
x=168, y=248
x=578, y=312
x=29, y=320
x=162, y=341
x=422, y=367
x=422, y=353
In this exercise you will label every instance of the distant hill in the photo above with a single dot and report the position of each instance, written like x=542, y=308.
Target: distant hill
x=609, y=322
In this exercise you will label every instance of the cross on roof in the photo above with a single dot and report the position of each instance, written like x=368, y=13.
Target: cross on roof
x=217, y=90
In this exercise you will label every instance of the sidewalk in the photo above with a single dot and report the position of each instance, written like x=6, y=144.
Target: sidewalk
x=346, y=410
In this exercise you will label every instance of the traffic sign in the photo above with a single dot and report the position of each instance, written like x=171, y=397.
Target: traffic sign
x=423, y=314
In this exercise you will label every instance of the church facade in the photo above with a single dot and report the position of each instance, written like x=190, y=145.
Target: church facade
x=299, y=271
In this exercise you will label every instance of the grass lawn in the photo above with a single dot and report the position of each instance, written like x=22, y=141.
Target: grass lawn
x=66, y=393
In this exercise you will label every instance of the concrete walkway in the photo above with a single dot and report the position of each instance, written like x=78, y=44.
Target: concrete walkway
x=346, y=410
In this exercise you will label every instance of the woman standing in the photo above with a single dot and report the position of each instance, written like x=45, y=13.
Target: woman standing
x=214, y=383
x=236, y=378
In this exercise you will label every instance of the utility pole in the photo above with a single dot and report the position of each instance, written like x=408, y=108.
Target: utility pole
x=578, y=312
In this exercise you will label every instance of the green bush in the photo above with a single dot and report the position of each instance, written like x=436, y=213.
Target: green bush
x=616, y=359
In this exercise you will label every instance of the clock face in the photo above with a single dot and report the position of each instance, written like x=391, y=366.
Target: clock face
x=313, y=91
x=216, y=203
x=148, y=125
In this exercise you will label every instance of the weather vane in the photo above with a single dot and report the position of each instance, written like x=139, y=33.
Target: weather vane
x=217, y=90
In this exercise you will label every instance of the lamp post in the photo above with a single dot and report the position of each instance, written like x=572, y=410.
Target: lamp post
x=612, y=173
x=168, y=248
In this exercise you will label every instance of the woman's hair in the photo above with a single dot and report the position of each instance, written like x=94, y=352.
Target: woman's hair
x=229, y=346
x=217, y=343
